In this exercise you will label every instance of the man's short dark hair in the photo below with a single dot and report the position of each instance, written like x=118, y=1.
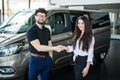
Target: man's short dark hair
x=42, y=10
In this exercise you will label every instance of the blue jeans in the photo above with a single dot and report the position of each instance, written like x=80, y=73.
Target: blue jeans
x=39, y=67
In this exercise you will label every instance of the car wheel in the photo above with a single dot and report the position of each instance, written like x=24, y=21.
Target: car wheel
x=101, y=56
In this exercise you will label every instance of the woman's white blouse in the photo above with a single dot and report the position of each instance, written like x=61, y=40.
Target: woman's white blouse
x=78, y=51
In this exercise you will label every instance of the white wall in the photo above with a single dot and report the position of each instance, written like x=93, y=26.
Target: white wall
x=83, y=2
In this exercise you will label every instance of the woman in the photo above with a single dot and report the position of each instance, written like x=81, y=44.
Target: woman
x=83, y=47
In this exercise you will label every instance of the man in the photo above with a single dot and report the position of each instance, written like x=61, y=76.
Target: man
x=40, y=46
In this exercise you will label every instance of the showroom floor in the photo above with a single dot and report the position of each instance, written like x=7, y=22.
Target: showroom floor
x=109, y=70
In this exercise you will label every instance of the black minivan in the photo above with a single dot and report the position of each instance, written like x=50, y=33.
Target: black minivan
x=14, y=54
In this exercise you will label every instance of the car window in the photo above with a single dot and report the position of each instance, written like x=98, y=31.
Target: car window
x=57, y=22
x=27, y=24
x=99, y=19
x=19, y=23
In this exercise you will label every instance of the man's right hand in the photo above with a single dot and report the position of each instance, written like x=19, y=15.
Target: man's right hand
x=60, y=48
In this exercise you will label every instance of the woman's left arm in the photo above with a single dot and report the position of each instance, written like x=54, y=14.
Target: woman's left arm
x=91, y=52
x=86, y=69
x=90, y=58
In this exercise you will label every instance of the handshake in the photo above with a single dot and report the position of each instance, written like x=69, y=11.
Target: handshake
x=60, y=48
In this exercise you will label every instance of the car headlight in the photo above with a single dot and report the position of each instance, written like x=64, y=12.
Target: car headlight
x=11, y=49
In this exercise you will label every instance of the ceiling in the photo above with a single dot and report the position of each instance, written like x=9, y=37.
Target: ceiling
x=110, y=7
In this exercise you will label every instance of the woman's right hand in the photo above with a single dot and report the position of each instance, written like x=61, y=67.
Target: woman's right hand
x=64, y=47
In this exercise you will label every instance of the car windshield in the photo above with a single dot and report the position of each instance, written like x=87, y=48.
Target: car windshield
x=19, y=23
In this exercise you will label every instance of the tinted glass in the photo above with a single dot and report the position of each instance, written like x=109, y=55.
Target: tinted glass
x=57, y=23
x=19, y=23
x=99, y=19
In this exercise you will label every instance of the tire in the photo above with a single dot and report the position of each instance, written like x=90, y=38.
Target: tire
x=100, y=56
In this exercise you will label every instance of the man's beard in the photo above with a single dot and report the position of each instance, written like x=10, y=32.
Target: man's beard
x=40, y=22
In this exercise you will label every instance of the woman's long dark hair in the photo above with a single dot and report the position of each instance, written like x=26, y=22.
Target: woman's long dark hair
x=86, y=37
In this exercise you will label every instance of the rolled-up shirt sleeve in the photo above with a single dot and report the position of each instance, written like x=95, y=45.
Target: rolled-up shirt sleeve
x=70, y=49
x=91, y=52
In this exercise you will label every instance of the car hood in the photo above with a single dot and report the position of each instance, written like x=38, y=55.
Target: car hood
x=4, y=37
x=10, y=38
